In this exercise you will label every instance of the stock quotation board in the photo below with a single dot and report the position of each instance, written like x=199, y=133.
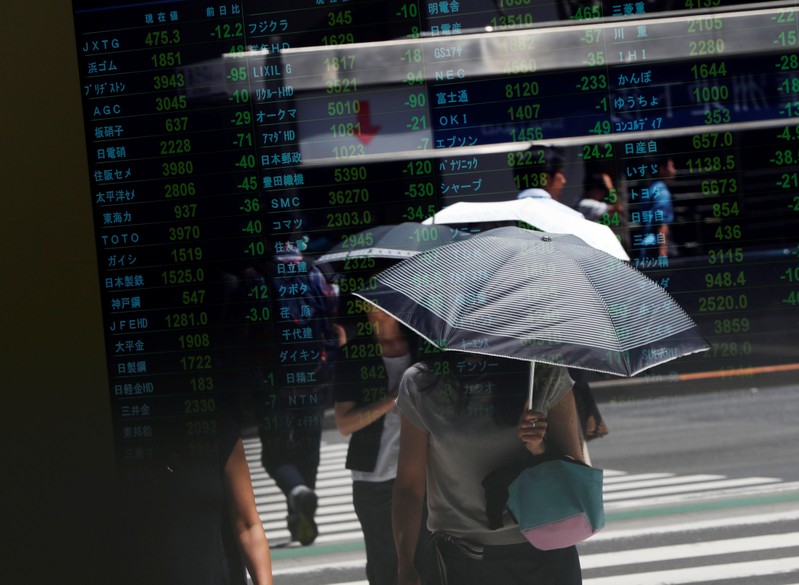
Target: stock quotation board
x=223, y=135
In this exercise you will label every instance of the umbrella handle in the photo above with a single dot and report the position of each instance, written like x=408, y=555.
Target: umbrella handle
x=532, y=383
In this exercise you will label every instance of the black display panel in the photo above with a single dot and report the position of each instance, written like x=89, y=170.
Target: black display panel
x=221, y=135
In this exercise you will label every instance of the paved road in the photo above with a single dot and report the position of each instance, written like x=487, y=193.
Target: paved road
x=748, y=432
x=702, y=489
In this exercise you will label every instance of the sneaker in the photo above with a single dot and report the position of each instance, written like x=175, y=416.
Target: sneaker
x=300, y=520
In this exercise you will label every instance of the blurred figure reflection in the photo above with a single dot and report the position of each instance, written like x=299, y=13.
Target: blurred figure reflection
x=189, y=514
x=290, y=411
x=378, y=351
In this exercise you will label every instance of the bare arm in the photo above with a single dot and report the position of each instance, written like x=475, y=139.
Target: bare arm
x=408, y=499
x=351, y=417
x=562, y=432
x=244, y=517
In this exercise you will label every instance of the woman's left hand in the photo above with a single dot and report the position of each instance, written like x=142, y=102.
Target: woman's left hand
x=532, y=428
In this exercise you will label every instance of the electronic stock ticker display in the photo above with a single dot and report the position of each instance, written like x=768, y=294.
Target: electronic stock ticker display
x=220, y=134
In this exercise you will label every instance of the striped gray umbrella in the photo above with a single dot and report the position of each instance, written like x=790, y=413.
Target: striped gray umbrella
x=540, y=297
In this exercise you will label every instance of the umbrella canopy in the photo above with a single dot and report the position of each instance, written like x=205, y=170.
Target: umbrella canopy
x=537, y=296
x=543, y=214
x=395, y=242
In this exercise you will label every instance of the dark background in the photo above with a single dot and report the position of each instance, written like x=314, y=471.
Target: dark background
x=59, y=500
x=56, y=430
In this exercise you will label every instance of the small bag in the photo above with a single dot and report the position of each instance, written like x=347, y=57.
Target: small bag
x=557, y=503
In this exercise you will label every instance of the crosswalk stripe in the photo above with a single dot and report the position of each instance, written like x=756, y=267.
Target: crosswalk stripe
x=333, y=467
x=663, y=481
x=701, y=574
x=693, y=550
x=617, y=474
x=624, y=478
x=275, y=509
x=743, y=490
x=323, y=486
x=691, y=487
x=726, y=522
x=305, y=568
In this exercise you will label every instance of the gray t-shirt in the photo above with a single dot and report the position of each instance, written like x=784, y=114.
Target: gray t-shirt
x=465, y=444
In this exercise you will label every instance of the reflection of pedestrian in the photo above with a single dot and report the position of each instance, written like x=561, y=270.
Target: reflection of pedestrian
x=376, y=355
x=191, y=518
x=539, y=173
x=290, y=413
x=463, y=418
x=656, y=211
x=599, y=201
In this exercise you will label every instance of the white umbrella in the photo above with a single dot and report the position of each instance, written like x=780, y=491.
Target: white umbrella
x=543, y=214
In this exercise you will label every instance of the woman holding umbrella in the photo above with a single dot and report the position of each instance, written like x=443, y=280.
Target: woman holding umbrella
x=462, y=417
x=508, y=292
